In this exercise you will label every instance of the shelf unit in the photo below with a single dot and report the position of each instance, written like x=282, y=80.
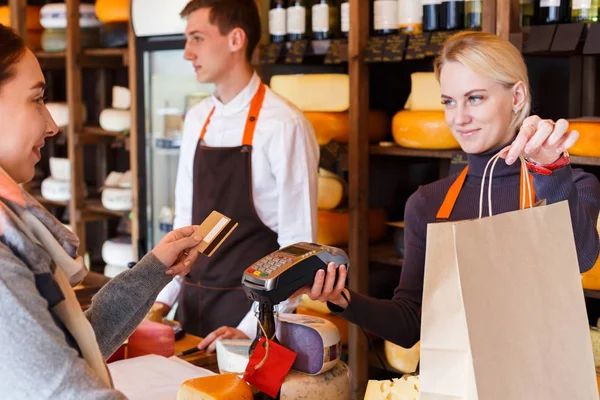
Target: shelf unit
x=73, y=61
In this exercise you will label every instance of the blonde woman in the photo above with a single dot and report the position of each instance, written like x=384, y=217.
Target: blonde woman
x=485, y=92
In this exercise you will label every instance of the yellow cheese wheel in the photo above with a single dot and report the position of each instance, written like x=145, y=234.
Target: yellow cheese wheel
x=331, y=190
x=588, y=144
x=336, y=126
x=423, y=130
x=109, y=11
x=340, y=323
x=215, y=387
x=32, y=17
x=334, y=227
x=404, y=360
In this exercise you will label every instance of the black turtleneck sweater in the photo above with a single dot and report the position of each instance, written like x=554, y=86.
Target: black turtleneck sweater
x=399, y=319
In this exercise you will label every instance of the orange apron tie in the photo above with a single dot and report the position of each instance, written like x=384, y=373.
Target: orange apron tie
x=452, y=195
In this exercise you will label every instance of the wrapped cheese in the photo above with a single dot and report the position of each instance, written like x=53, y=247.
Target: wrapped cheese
x=215, y=387
x=405, y=388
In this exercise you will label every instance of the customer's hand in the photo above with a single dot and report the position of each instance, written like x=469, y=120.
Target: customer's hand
x=209, y=343
x=325, y=288
x=177, y=250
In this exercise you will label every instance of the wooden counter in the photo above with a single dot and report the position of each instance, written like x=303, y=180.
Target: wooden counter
x=200, y=359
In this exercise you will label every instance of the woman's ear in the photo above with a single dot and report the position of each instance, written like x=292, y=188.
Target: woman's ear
x=519, y=96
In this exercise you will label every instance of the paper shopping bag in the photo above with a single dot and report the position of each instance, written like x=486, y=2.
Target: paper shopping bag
x=503, y=310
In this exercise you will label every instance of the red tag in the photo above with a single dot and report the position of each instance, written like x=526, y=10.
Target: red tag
x=269, y=377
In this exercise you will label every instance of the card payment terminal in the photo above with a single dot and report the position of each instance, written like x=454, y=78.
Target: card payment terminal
x=275, y=277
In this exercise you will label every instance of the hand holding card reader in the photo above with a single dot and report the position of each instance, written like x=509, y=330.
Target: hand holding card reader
x=274, y=278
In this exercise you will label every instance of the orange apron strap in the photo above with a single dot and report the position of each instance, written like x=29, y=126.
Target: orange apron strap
x=522, y=191
x=448, y=204
x=203, y=132
x=252, y=119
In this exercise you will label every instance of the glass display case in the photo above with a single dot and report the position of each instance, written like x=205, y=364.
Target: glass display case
x=167, y=90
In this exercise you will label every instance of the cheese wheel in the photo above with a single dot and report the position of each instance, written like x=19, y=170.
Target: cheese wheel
x=405, y=388
x=215, y=387
x=151, y=338
x=111, y=271
x=121, y=98
x=54, y=16
x=59, y=111
x=115, y=120
x=588, y=144
x=404, y=360
x=330, y=126
x=314, y=92
x=334, y=384
x=315, y=341
x=331, y=190
x=118, y=251
x=55, y=190
x=233, y=355
x=339, y=322
x=334, y=227
x=60, y=168
x=117, y=199
x=109, y=11
x=425, y=93
x=32, y=17
x=423, y=130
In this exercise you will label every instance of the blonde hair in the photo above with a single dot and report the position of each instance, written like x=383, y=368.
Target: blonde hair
x=490, y=56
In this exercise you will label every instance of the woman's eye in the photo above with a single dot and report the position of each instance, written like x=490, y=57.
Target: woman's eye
x=447, y=102
x=475, y=99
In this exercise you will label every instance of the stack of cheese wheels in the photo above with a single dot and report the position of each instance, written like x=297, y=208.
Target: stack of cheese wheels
x=404, y=360
x=117, y=118
x=117, y=194
x=590, y=280
x=32, y=19
x=117, y=253
x=325, y=99
x=405, y=388
x=588, y=144
x=53, y=17
x=320, y=309
x=422, y=124
x=114, y=15
x=57, y=187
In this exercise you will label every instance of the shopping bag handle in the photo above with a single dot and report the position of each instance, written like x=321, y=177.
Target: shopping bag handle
x=524, y=179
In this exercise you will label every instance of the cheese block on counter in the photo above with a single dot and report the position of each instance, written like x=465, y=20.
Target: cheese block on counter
x=56, y=190
x=314, y=92
x=315, y=341
x=118, y=251
x=425, y=93
x=404, y=360
x=334, y=384
x=109, y=11
x=340, y=323
x=330, y=126
x=333, y=227
x=114, y=120
x=332, y=190
x=423, y=130
x=32, y=17
x=215, y=387
x=405, y=388
x=588, y=144
x=60, y=168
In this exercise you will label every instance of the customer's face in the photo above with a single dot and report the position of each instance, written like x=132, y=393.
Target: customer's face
x=26, y=122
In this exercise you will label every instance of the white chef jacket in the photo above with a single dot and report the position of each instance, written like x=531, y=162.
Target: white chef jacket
x=285, y=157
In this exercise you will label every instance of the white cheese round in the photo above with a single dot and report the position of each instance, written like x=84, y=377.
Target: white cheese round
x=55, y=190
x=60, y=168
x=115, y=120
x=117, y=199
x=121, y=98
x=54, y=16
x=118, y=251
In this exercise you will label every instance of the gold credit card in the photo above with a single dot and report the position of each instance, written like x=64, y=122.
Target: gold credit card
x=214, y=229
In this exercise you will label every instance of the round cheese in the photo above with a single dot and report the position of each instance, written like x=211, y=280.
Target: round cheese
x=331, y=190
x=54, y=16
x=339, y=322
x=588, y=144
x=335, y=126
x=117, y=199
x=55, y=190
x=314, y=92
x=60, y=168
x=121, y=98
x=215, y=387
x=112, y=10
x=32, y=17
x=315, y=341
x=113, y=270
x=334, y=384
x=118, y=251
x=115, y=120
x=423, y=130
x=59, y=111
x=404, y=360
x=405, y=388
x=333, y=227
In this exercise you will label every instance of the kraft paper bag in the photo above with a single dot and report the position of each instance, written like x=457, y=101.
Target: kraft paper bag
x=503, y=312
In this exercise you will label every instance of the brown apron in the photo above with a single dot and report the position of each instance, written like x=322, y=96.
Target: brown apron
x=212, y=295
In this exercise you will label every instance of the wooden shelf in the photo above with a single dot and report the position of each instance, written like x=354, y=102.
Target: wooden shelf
x=45, y=202
x=384, y=253
x=91, y=58
x=592, y=294
x=95, y=206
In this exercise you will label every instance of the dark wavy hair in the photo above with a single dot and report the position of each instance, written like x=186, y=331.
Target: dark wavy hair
x=12, y=48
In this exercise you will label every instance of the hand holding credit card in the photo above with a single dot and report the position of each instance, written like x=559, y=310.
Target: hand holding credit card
x=214, y=230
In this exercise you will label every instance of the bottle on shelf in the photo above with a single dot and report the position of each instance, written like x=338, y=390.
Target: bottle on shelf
x=584, y=11
x=473, y=14
x=325, y=19
x=526, y=13
x=452, y=14
x=553, y=11
x=345, y=18
x=431, y=15
x=385, y=17
x=266, y=317
x=410, y=16
x=296, y=19
x=277, y=21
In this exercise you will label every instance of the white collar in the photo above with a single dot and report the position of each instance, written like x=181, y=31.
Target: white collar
x=241, y=100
